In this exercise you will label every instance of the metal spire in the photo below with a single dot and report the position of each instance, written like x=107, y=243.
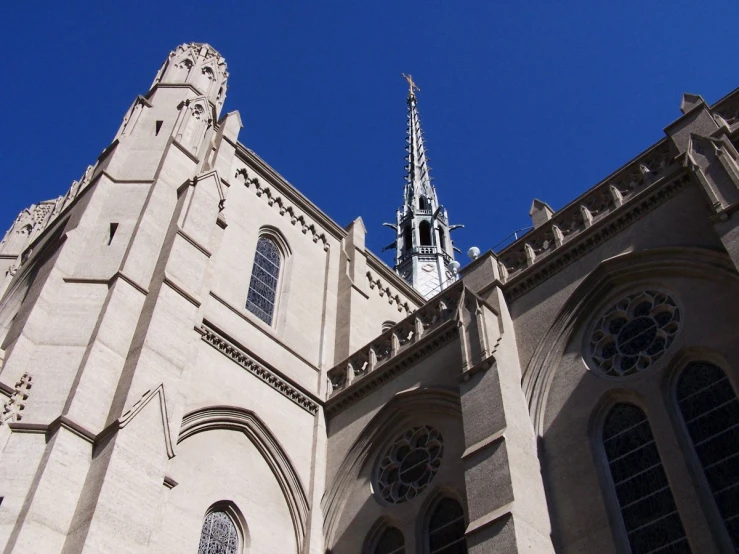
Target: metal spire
x=418, y=178
x=424, y=251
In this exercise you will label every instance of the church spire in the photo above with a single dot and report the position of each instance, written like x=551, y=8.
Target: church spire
x=424, y=252
x=418, y=179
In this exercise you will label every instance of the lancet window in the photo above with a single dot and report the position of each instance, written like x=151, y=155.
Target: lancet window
x=645, y=499
x=219, y=534
x=445, y=533
x=390, y=542
x=424, y=230
x=710, y=410
x=265, y=276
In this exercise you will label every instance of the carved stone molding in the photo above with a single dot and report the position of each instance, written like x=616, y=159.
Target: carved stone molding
x=225, y=347
x=17, y=402
x=385, y=290
x=247, y=422
x=275, y=200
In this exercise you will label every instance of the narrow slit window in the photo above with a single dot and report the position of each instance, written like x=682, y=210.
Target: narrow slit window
x=710, y=410
x=407, y=238
x=265, y=275
x=111, y=232
x=424, y=230
x=158, y=127
x=645, y=499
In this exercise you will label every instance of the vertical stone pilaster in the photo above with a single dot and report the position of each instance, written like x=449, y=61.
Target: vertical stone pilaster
x=505, y=493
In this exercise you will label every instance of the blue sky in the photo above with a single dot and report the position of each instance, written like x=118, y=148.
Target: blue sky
x=518, y=99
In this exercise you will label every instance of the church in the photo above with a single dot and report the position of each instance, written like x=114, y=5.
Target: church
x=194, y=358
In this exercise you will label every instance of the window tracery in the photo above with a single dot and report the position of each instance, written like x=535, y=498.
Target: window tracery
x=410, y=464
x=265, y=275
x=446, y=527
x=645, y=499
x=710, y=410
x=219, y=535
x=634, y=333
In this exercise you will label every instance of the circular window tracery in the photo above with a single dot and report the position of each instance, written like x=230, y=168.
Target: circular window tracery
x=409, y=464
x=634, y=333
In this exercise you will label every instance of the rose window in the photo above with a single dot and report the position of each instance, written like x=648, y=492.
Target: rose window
x=410, y=464
x=634, y=333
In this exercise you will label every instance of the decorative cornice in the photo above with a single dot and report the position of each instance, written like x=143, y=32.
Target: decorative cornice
x=282, y=206
x=288, y=191
x=598, y=233
x=378, y=266
x=227, y=348
x=385, y=290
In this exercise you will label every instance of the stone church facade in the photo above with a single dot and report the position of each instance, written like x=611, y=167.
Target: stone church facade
x=196, y=359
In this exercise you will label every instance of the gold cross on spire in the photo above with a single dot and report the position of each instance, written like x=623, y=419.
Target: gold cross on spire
x=411, y=85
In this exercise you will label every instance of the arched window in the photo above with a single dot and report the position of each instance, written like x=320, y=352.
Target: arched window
x=644, y=496
x=407, y=238
x=390, y=542
x=442, y=240
x=446, y=528
x=422, y=203
x=424, y=230
x=219, y=534
x=265, y=274
x=710, y=410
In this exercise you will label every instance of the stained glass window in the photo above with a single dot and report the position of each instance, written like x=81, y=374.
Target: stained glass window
x=219, y=535
x=264, y=275
x=410, y=464
x=647, y=507
x=710, y=410
x=391, y=542
x=634, y=333
x=446, y=528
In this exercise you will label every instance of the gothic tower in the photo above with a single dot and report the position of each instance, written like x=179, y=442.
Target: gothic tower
x=424, y=252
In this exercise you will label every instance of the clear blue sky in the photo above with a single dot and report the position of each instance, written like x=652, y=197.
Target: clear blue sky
x=518, y=99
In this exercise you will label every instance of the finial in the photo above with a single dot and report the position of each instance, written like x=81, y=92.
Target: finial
x=411, y=85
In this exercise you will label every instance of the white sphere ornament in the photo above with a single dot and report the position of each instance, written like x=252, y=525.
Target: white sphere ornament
x=454, y=266
x=473, y=253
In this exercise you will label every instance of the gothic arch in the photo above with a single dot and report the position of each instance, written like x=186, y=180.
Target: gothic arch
x=679, y=363
x=646, y=266
x=376, y=531
x=232, y=510
x=245, y=421
x=436, y=495
x=402, y=409
x=276, y=235
x=595, y=435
